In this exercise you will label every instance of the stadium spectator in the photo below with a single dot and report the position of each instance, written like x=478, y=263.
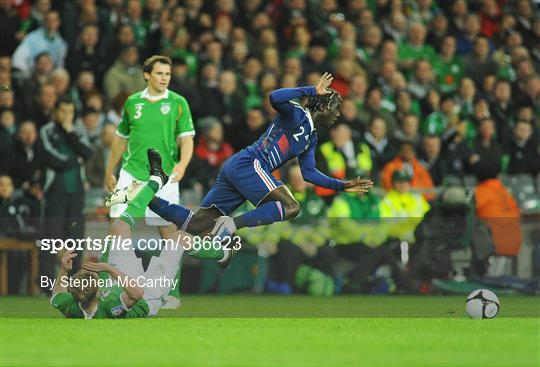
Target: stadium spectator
x=502, y=109
x=10, y=24
x=60, y=79
x=523, y=150
x=7, y=123
x=316, y=60
x=468, y=34
x=254, y=126
x=90, y=122
x=101, y=150
x=407, y=162
x=225, y=102
x=486, y=153
x=343, y=157
x=125, y=37
x=42, y=111
x=348, y=116
x=496, y=206
x=87, y=54
x=374, y=108
x=447, y=66
x=65, y=145
x=211, y=151
x=478, y=64
x=36, y=18
x=20, y=218
x=371, y=40
x=46, y=38
x=465, y=97
x=30, y=86
x=82, y=88
x=183, y=84
x=400, y=202
x=438, y=30
x=431, y=159
x=415, y=47
x=125, y=74
x=383, y=147
x=395, y=27
x=27, y=155
x=409, y=130
x=423, y=80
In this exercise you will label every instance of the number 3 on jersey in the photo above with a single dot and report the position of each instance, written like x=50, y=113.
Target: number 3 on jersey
x=138, y=111
x=298, y=135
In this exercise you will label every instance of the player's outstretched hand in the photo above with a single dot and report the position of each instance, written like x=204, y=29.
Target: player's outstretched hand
x=96, y=267
x=67, y=260
x=358, y=185
x=324, y=82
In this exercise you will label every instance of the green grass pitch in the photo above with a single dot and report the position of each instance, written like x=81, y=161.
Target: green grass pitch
x=277, y=331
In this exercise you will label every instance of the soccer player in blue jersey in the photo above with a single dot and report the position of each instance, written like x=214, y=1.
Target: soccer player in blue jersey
x=248, y=174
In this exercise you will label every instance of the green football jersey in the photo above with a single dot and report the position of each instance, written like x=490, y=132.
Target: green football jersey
x=153, y=124
x=448, y=73
x=109, y=307
x=408, y=52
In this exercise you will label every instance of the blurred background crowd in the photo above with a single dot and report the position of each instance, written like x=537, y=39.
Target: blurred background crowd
x=441, y=108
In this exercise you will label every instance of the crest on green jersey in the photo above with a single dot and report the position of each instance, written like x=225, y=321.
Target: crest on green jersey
x=165, y=108
x=117, y=311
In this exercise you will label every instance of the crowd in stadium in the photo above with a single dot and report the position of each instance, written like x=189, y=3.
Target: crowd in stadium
x=433, y=91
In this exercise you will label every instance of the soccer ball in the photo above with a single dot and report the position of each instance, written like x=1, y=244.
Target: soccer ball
x=482, y=304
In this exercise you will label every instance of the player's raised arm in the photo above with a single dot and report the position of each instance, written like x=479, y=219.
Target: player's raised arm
x=66, y=264
x=280, y=98
x=132, y=292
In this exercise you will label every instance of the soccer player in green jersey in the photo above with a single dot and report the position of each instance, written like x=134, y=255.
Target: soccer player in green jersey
x=138, y=294
x=154, y=118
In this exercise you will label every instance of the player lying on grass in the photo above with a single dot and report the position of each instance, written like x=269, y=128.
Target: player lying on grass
x=81, y=297
x=248, y=174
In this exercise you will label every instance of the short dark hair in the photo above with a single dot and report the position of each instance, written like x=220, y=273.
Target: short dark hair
x=322, y=102
x=152, y=60
x=63, y=100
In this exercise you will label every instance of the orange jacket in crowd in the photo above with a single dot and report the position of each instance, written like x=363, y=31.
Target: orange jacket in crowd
x=421, y=177
x=496, y=206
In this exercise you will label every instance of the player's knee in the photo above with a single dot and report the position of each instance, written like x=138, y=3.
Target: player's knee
x=292, y=209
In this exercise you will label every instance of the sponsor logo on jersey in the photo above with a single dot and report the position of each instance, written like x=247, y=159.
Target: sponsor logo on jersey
x=117, y=311
x=165, y=108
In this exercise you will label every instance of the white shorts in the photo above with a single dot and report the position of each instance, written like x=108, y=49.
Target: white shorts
x=165, y=266
x=168, y=192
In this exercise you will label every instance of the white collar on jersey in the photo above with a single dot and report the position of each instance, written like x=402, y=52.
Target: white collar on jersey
x=89, y=315
x=310, y=120
x=146, y=95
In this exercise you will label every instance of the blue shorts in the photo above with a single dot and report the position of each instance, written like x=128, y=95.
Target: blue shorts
x=242, y=178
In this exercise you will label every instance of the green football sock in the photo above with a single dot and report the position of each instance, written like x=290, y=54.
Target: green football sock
x=137, y=207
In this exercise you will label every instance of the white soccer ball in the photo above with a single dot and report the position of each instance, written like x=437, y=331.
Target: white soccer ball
x=482, y=304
